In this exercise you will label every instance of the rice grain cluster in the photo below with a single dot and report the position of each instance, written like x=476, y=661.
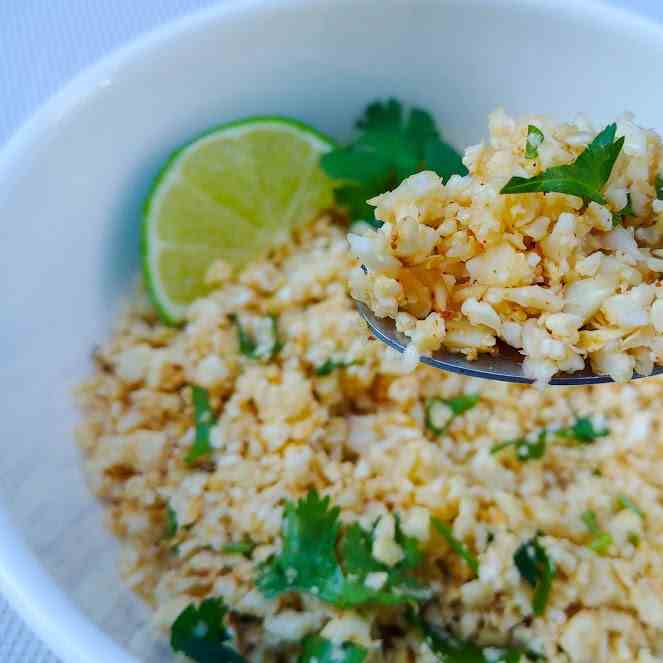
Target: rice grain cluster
x=568, y=282
x=338, y=412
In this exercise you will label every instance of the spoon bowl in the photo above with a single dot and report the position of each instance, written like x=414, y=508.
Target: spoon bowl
x=506, y=366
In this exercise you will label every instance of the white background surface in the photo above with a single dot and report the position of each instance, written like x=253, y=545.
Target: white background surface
x=43, y=43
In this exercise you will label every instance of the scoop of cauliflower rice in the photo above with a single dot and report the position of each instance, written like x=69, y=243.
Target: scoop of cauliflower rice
x=394, y=451
x=565, y=281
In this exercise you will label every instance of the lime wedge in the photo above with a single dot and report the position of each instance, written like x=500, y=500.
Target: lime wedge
x=233, y=193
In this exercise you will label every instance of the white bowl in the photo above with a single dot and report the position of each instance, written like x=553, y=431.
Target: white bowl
x=74, y=177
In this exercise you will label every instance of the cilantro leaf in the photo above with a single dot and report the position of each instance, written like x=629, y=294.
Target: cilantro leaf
x=534, y=138
x=457, y=546
x=389, y=148
x=625, y=502
x=410, y=546
x=462, y=403
x=353, y=198
x=457, y=404
x=443, y=159
x=537, y=569
x=309, y=563
x=204, y=421
x=170, y=530
x=378, y=115
x=316, y=649
x=600, y=541
x=585, y=177
x=358, y=562
x=627, y=210
x=244, y=547
x=330, y=365
x=658, y=182
x=583, y=431
x=633, y=538
x=450, y=649
x=199, y=633
x=356, y=547
x=307, y=560
x=392, y=148
x=525, y=449
x=249, y=347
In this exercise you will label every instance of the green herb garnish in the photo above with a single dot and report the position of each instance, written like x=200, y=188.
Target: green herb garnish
x=625, y=502
x=458, y=405
x=316, y=649
x=204, y=420
x=585, y=177
x=308, y=556
x=534, y=566
x=457, y=546
x=627, y=210
x=330, y=365
x=659, y=187
x=582, y=431
x=389, y=148
x=600, y=541
x=450, y=649
x=358, y=562
x=244, y=547
x=170, y=530
x=525, y=449
x=312, y=560
x=633, y=538
x=534, y=139
x=249, y=347
x=200, y=633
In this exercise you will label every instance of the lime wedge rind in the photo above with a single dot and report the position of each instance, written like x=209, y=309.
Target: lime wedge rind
x=249, y=237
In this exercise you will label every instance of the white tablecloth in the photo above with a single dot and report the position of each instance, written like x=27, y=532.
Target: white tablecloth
x=43, y=43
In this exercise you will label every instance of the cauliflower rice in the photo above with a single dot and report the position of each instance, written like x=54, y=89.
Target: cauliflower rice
x=359, y=435
x=462, y=266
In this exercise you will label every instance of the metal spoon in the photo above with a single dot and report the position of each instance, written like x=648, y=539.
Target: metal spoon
x=506, y=366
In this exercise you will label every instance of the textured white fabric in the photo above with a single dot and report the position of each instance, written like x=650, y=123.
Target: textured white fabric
x=44, y=43
x=17, y=644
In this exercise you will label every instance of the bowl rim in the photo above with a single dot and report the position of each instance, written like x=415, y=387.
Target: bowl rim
x=25, y=584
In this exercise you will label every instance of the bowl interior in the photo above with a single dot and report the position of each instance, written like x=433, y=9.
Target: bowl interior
x=75, y=178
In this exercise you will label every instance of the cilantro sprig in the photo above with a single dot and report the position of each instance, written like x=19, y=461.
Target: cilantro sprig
x=585, y=177
x=625, y=502
x=582, y=431
x=313, y=561
x=658, y=184
x=391, y=145
x=535, y=567
x=457, y=405
x=457, y=546
x=600, y=540
x=534, y=138
x=330, y=365
x=200, y=633
x=170, y=529
x=248, y=345
x=526, y=449
x=204, y=420
x=448, y=648
x=244, y=547
x=316, y=649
